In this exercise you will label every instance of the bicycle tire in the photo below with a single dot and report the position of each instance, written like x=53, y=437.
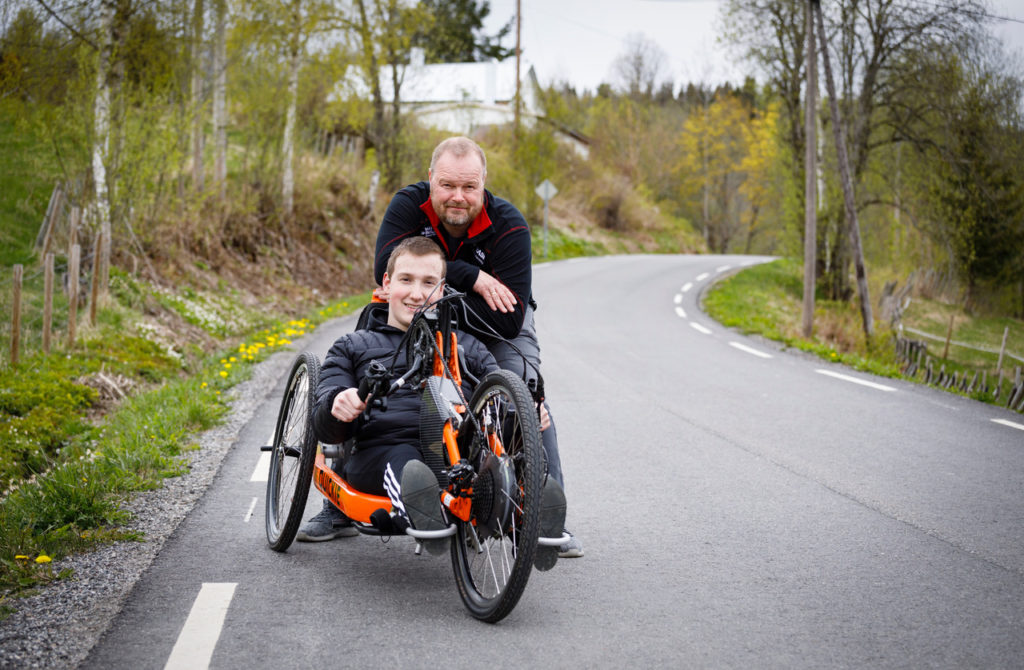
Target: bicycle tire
x=293, y=454
x=493, y=553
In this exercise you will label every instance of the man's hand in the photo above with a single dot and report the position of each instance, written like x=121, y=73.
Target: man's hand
x=347, y=406
x=499, y=298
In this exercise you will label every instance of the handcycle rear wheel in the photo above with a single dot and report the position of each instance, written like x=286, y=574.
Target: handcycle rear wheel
x=293, y=454
x=493, y=555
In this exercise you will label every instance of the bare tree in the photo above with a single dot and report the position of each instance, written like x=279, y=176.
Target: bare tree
x=639, y=68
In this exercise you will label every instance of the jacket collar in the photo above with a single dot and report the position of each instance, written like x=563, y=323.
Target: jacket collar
x=480, y=224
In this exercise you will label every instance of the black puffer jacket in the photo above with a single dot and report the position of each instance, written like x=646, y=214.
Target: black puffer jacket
x=346, y=364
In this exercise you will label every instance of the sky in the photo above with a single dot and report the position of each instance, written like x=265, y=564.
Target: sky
x=577, y=41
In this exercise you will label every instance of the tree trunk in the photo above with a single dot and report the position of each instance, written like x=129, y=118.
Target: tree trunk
x=844, y=173
x=220, y=166
x=288, y=143
x=198, y=135
x=101, y=115
x=810, y=175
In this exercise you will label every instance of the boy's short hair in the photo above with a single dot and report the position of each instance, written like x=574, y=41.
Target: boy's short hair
x=417, y=246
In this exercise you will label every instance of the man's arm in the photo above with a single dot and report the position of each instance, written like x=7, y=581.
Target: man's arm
x=402, y=219
x=510, y=263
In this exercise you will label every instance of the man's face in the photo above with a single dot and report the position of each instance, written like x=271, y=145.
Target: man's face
x=414, y=280
x=457, y=191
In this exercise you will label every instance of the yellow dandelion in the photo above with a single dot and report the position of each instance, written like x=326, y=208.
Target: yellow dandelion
x=203, y=385
x=21, y=557
x=223, y=373
x=43, y=558
x=233, y=359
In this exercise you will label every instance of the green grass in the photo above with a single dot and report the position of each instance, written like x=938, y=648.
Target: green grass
x=767, y=300
x=66, y=474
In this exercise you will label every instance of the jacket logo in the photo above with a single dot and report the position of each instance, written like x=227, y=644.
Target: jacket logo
x=428, y=232
x=480, y=255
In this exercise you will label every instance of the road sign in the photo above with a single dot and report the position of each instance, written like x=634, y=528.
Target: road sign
x=546, y=190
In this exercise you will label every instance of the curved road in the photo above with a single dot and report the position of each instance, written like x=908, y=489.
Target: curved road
x=740, y=507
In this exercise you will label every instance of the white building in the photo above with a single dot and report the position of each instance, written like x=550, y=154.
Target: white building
x=459, y=97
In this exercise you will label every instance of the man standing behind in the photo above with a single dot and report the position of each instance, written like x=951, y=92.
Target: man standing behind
x=486, y=242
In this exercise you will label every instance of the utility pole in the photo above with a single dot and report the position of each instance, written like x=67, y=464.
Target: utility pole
x=519, y=23
x=810, y=173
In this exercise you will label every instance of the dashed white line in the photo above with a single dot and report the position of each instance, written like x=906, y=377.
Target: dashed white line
x=199, y=636
x=749, y=350
x=259, y=474
x=699, y=328
x=1011, y=424
x=680, y=312
x=686, y=287
x=252, y=507
x=678, y=299
x=702, y=276
x=722, y=268
x=855, y=380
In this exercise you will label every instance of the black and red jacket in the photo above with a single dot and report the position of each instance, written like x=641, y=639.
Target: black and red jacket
x=498, y=242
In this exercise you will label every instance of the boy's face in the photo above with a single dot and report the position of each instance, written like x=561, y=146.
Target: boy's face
x=414, y=279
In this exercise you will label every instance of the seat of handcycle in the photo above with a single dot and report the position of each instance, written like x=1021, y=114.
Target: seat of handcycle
x=374, y=312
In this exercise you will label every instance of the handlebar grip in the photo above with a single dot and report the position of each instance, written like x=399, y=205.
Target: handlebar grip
x=365, y=386
x=372, y=381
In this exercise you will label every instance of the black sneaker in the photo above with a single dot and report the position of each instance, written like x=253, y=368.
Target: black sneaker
x=421, y=496
x=329, y=524
x=552, y=520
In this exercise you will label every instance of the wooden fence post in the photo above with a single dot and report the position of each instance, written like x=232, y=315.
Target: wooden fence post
x=94, y=289
x=949, y=335
x=16, y=315
x=47, y=301
x=76, y=252
x=105, y=261
x=1002, y=350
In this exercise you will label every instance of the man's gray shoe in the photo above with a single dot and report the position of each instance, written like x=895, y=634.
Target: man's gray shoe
x=421, y=496
x=571, y=549
x=329, y=524
x=552, y=520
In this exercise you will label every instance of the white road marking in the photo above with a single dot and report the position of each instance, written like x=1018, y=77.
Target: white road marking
x=252, y=506
x=578, y=259
x=681, y=312
x=749, y=350
x=699, y=328
x=1011, y=424
x=199, y=636
x=702, y=276
x=686, y=287
x=855, y=380
x=722, y=268
x=259, y=474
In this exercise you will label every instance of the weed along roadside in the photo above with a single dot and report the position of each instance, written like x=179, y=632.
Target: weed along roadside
x=84, y=431
x=765, y=300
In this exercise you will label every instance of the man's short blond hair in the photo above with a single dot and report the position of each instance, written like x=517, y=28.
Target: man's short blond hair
x=458, y=147
x=417, y=246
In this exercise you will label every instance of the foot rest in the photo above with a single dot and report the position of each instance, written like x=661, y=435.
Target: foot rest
x=554, y=541
x=431, y=534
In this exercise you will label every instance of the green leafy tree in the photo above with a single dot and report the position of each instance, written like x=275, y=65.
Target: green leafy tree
x=455, y=33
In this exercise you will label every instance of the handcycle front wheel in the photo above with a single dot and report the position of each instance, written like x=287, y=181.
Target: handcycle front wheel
x=293, y=454
x=493, y=553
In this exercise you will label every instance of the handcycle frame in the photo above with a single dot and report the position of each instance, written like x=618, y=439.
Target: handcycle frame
x=486, y=452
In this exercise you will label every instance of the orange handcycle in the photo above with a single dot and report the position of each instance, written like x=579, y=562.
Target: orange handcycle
x=486, y=452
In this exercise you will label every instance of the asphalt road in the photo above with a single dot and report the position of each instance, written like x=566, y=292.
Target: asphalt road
x=740, y=506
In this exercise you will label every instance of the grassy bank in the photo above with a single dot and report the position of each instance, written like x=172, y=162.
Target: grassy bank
x=81, y=430
x=767, y=300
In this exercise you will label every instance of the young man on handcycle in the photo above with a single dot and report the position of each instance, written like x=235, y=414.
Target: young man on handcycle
x=387, y=460
x=488, y=252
